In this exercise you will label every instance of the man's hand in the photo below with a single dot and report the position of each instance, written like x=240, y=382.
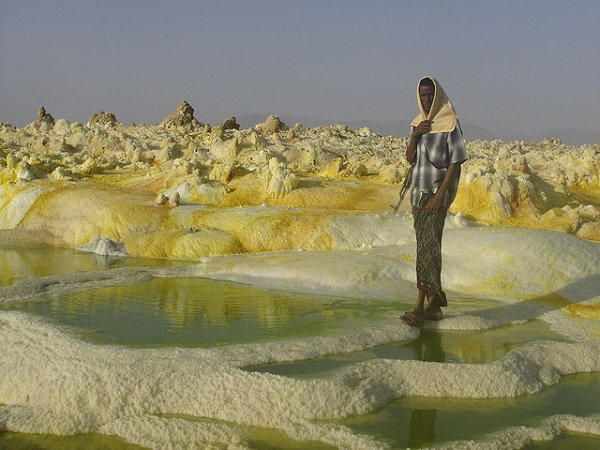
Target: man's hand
x=423, y=128
x=434, y=203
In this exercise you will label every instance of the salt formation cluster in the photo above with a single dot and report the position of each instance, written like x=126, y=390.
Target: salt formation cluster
x=234, y=201
x=167, y=190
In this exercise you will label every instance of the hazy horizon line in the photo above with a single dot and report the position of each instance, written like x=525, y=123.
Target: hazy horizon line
x=399, y=127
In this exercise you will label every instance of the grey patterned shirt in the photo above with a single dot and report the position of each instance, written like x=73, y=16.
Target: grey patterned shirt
x=435, y=153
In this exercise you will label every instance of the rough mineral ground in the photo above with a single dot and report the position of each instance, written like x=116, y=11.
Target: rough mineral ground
x=240, y=204
x=183, y=189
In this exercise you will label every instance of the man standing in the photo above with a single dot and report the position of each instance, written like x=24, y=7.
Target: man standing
x=436, y=151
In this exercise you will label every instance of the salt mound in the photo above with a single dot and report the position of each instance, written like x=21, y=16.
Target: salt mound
x=106, y=247
x=182, y=116
x=230, y=124
x=102, y=118
x=272, y=125
x=44, y=117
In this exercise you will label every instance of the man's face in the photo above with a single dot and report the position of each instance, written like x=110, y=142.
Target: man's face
x=426, y=94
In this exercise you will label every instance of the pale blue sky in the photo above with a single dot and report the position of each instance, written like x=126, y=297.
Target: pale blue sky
x=516, y=68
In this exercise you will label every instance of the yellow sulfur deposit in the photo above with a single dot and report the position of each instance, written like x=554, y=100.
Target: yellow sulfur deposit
x=180, y=190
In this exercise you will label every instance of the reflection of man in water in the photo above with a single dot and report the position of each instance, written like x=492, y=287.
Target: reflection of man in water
x=421, y=430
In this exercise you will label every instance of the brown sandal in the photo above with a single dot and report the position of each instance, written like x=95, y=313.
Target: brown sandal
x=412, y=319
